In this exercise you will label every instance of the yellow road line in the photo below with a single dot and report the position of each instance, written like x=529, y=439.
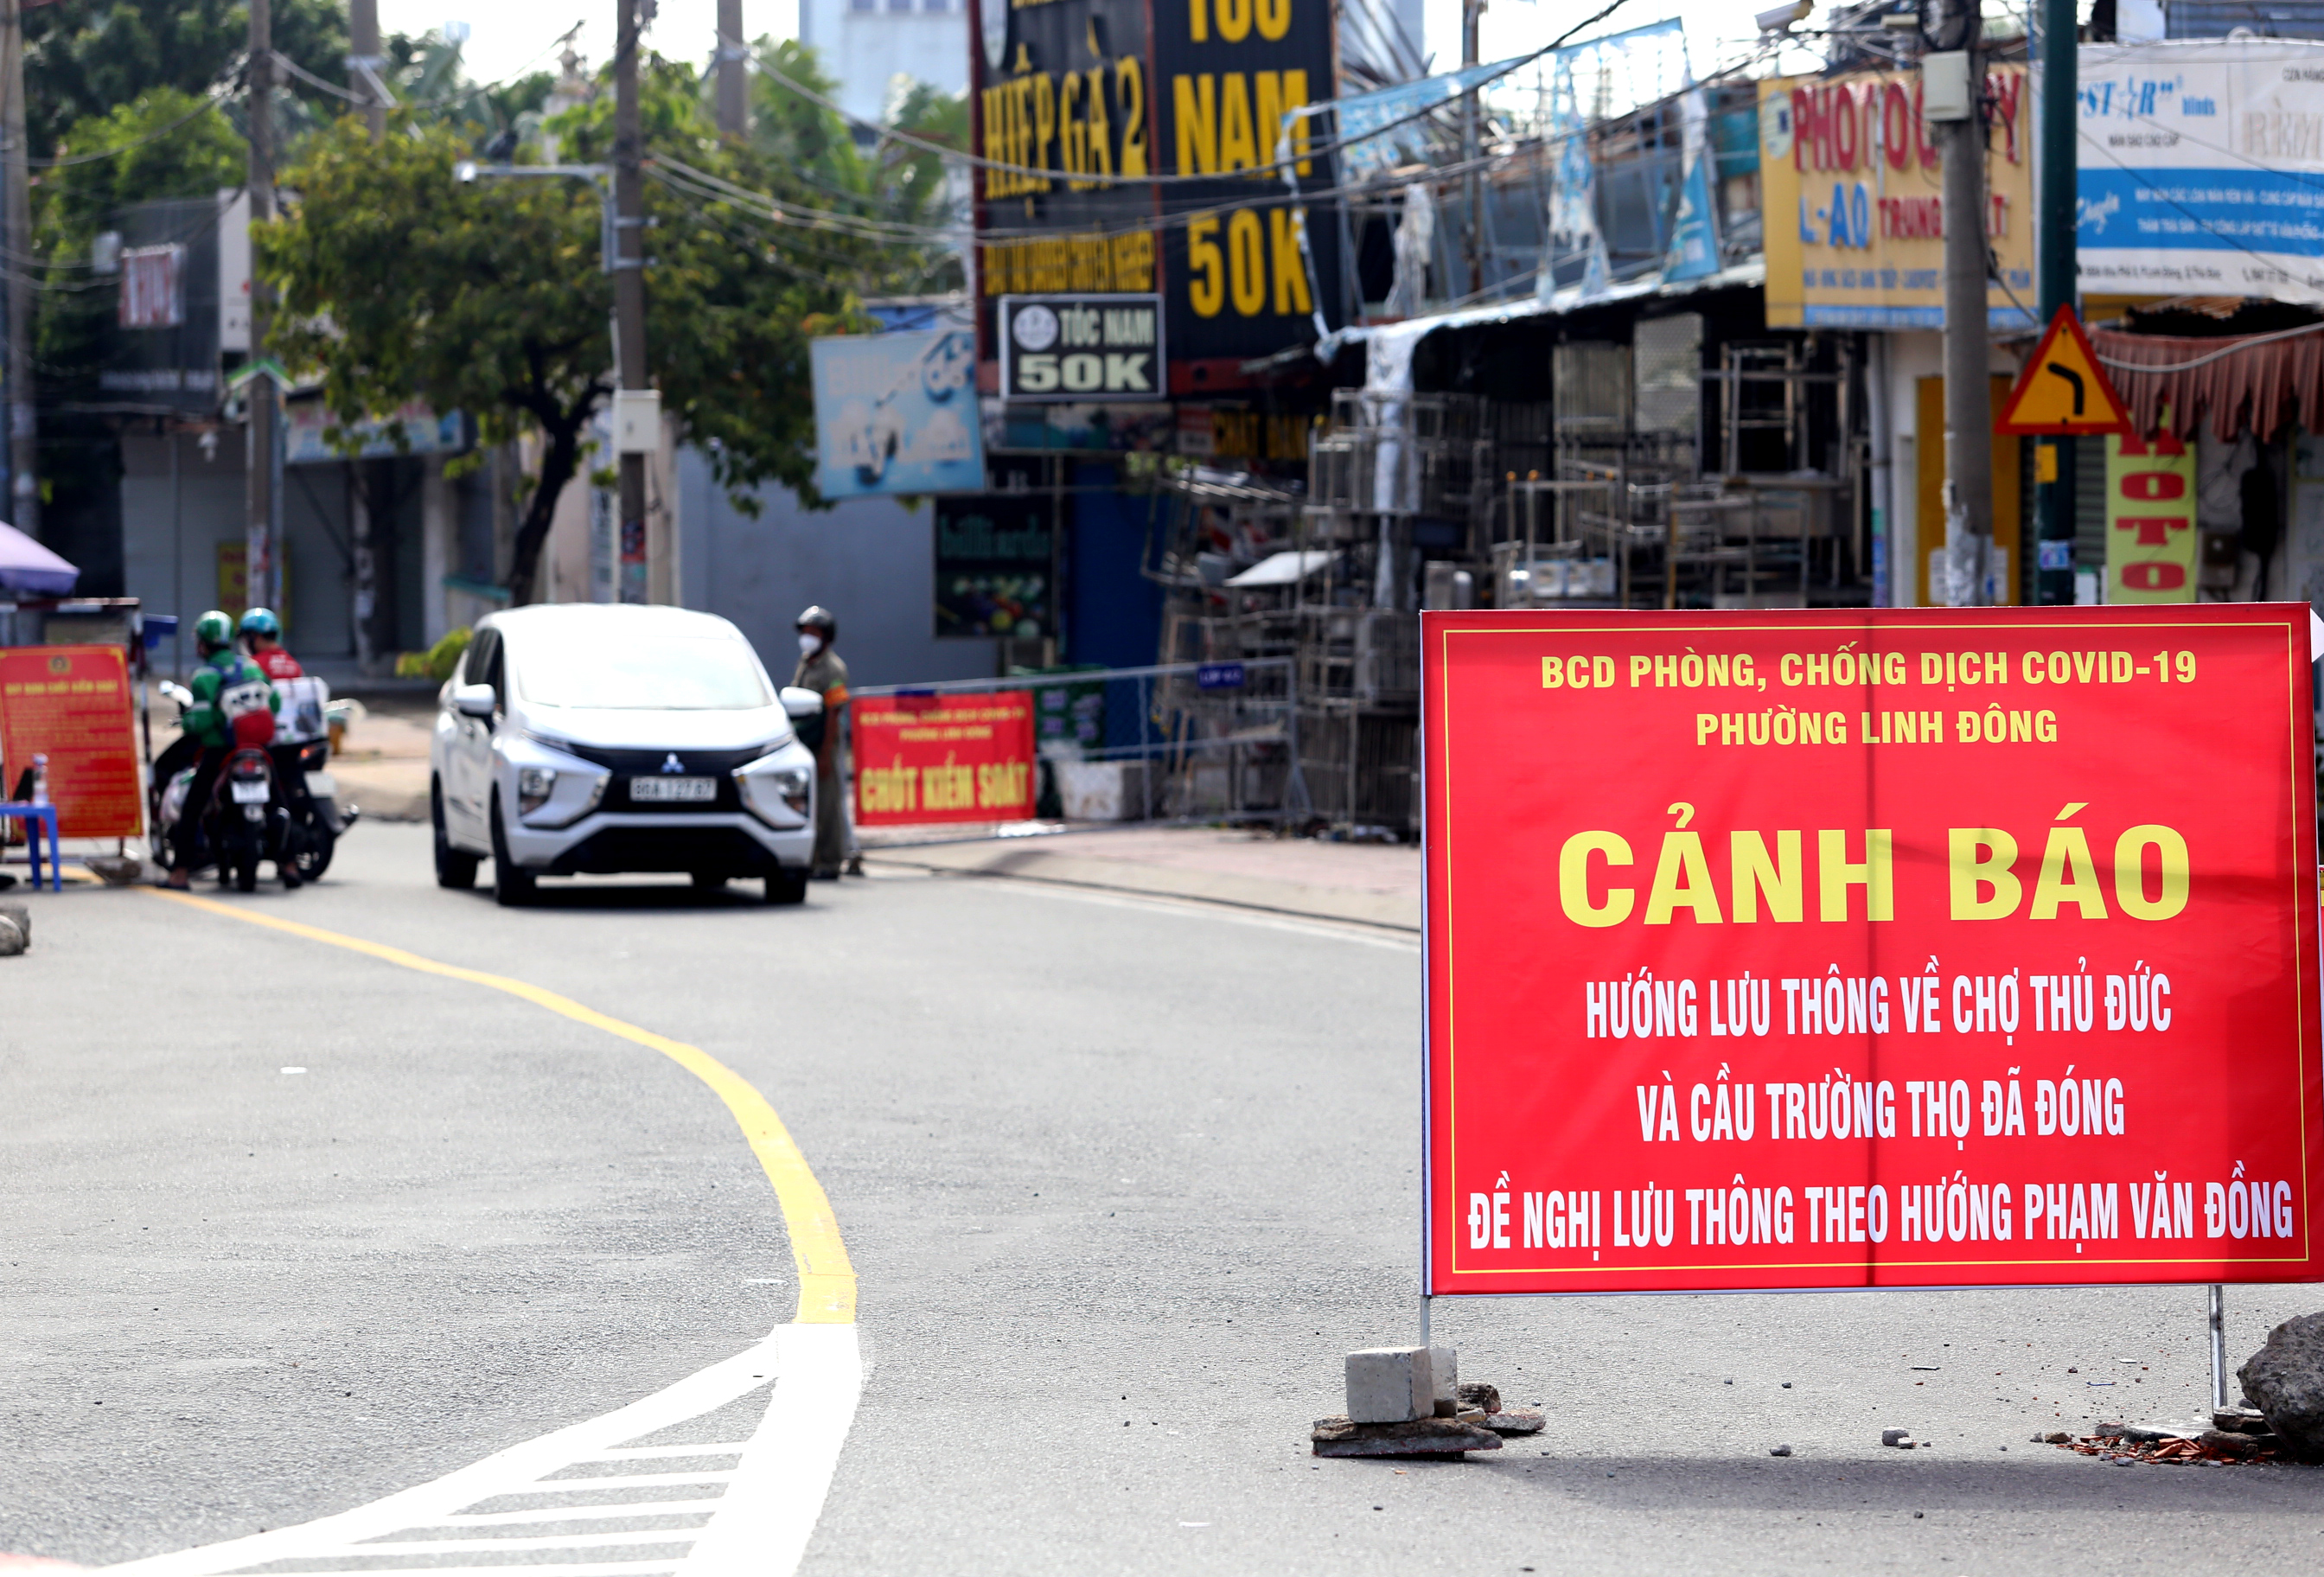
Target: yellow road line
x=827, y=1279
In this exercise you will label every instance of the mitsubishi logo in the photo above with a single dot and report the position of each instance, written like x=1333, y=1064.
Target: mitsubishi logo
x=670, y=763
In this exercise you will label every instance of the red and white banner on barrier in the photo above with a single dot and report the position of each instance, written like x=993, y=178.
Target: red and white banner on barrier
x=1891, y=948
x=932, y=758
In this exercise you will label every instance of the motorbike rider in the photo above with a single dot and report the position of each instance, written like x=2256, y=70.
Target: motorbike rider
x=262, y=632
x=261, y=636
x=230, y=694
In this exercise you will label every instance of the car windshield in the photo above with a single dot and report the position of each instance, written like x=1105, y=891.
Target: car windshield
x=651, y=673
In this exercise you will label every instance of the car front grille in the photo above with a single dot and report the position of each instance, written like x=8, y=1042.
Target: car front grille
x=646, y=763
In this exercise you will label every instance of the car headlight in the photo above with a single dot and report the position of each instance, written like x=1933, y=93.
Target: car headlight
x=534, y=785
x=779, y=796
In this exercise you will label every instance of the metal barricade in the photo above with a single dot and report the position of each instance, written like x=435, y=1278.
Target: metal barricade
x=1172, y=743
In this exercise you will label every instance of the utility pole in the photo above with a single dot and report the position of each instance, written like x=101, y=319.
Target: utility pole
x=733, y=85
x=259, y=474
x=364, y=63
x=1952, y=82
x=2053, y=245
x=23, y=430
x=1473, y=183
x=633, y=559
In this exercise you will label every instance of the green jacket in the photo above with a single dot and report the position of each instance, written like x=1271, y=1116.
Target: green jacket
x=225, y=687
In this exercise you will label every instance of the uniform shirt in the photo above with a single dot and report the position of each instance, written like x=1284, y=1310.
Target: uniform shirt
x=276, y=663
x=825, y=673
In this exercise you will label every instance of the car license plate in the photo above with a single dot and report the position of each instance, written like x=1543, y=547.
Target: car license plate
x=678, y=790
x=250, y=793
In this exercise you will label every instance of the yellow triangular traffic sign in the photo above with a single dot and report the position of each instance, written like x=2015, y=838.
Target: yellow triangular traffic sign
x=2063, y=391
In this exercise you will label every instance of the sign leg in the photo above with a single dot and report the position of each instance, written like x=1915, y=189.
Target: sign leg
x=2218, y=1323
x=1425, y=1301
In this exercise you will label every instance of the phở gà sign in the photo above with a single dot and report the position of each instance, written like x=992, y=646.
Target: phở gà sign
x=1900, y=948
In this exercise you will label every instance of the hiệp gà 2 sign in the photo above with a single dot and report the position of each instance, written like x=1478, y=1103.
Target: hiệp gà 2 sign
x=1870, y=949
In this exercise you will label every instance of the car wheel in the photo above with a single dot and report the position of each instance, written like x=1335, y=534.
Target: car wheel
x=786, y=886
x=512, y=887
x=454, y=868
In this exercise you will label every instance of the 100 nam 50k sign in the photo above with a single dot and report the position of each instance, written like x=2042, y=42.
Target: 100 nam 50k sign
x=1901, y=949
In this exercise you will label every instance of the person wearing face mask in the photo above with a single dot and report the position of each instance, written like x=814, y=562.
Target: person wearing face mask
x=823, y=671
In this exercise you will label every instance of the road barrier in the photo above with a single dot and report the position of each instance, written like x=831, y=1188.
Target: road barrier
x=1170, y=742
x=1900, y=948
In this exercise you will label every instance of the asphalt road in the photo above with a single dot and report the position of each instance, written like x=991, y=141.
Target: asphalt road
x=1121, y=1181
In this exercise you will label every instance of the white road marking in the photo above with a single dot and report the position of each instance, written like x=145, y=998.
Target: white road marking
x=758, y=1528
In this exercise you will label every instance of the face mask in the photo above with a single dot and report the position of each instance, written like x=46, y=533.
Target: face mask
x=809, y=644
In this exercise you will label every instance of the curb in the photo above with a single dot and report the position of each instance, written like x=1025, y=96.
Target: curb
x=1386, y=912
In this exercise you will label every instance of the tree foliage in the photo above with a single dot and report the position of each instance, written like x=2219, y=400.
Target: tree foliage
x=398, y=281
x=84, y=60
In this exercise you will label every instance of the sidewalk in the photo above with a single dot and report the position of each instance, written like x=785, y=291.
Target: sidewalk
x=1368, y=884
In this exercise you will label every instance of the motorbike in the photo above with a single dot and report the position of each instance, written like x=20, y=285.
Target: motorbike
x=318, y=820
x=250, y=818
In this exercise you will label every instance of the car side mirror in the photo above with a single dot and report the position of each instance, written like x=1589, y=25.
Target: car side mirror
x=800, y=703
x=474, y=700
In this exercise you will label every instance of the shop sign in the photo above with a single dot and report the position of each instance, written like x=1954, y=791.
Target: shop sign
x=931, y=758
x=71, y=705
x=896, y=413
x=1870, y=948
x=993, y=565
x=2201, y=172
x=2152, y=542
x=1081, y=348
x=1855, y=208
x=1081, y=101
x=313, y=435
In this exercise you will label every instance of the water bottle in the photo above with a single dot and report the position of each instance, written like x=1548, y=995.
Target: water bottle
x=40, y=779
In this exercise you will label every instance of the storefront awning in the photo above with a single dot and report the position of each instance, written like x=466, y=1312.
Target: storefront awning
x=2252, y=382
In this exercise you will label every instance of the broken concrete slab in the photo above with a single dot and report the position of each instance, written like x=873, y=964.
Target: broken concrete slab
x=1414, y=1437
x=1519, y=1421
x=1484, y=1398
x=1390, y=1384
x=2285, y=1379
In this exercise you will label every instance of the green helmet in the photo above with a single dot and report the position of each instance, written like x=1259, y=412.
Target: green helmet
x=261, y=621
x=213, y=629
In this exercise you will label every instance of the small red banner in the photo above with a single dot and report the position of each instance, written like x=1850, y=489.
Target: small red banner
x=943, y=758
x=72, y=704
x=1898, y=948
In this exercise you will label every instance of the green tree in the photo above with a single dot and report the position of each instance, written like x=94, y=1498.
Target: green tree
x=398, y=281
x=83, y=60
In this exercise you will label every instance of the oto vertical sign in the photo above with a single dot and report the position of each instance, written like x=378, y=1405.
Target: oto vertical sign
x=1896, y=948
x=72, y=704
x=2152, y=542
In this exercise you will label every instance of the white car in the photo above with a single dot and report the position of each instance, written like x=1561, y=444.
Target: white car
x=580, y=737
